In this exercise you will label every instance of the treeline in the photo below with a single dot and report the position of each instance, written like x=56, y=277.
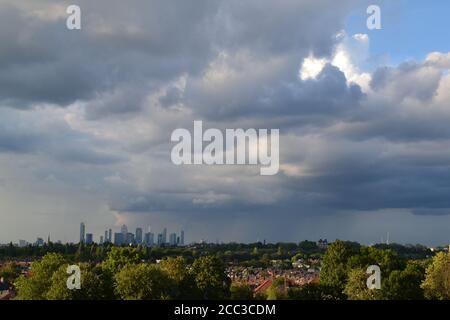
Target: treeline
x=124, y=275
x=255, y=254
x=343, y=274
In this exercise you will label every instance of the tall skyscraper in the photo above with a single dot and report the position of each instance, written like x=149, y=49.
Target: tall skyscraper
x=101, y=239
x=149, y=239
x=124, y=231
x=89, y=238
x=173, y=239
x=160, y=239
x=182, y=238
x=164, y=236
x=138, y=235
x=110, y=235
x=106, y=236
x=118, y=239
x=129, y=238
x=82, y=232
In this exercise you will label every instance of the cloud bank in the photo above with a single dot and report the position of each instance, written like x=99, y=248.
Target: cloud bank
x=86, y=118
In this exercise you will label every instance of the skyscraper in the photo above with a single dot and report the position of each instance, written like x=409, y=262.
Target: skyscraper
x=138, y=235
x=124, y=231
x=106, y=236
x=118, y=239
x=89, y=238
x=149, y=239
x=101, y=239
x=82, y=232
x=182, y=238
x=164, y=236
x=129, y=238
x=110, y=235
x=173, y=239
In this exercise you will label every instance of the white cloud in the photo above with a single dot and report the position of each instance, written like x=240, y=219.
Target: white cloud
x=311, y=67
x=438, y=59
x=349, y=54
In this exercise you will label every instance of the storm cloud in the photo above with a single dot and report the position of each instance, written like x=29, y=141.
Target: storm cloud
x=86, y=118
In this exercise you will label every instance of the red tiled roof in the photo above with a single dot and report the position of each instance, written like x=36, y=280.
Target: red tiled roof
x=264, y=286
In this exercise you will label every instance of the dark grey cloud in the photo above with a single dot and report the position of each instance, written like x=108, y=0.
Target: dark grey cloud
x=92, y=111
x=24, y=133
x=275, y=98
x=151, y=41
x=401, y=79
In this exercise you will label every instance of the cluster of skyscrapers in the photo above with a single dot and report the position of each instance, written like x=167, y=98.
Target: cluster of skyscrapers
x=139, y=237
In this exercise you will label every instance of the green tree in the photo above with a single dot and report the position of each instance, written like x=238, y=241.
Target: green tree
x=278, y=290
x=356, y=287
x=144, y=282
x=315, y=291
x=120, y=257
x=437, y=280
x=297, y=257
x=210, y=278
x=36, y=286
x=405, y=284
x=386, y=259
x=241, y=291
x=334, y=265
x=9, y=272
x=91, y=285
x=177, y=269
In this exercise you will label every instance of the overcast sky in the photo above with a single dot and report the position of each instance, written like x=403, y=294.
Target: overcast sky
x=364, y=118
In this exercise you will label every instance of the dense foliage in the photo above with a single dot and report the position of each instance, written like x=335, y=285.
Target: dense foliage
x=200, y=272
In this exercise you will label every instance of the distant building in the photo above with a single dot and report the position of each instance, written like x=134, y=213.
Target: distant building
x=160, y=239
x=23, y=243
x=124, y=231
x=164, y=236
x=149, y=239
x=101, y=239
x=110, y=235
x=173, y=239
x=106, y=236
x=322, y=244
x=89, y=238
x=118, y=239
x=182, y=238
x=138, y=235
x=39, y=242
x=130, y=238
x=82, y=232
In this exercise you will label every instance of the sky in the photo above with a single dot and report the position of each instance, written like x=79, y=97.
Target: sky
x=86, y=118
